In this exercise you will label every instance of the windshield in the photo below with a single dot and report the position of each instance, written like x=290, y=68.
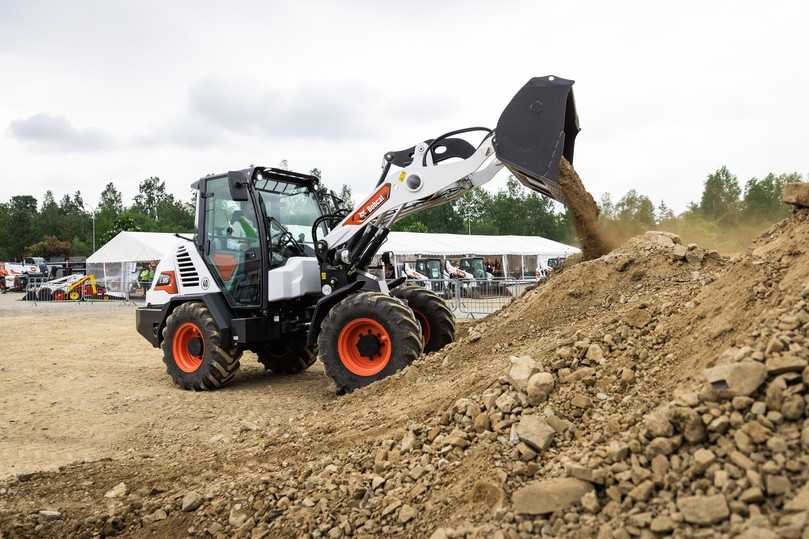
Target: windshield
x=295, y=207
x=474, y=266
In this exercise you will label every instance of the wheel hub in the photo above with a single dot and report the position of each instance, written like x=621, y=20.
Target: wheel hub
x=195, y=346
x=368, y=345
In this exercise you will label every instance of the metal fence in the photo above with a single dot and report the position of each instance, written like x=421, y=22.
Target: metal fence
x=467, y=298
x=81, y=288
x=476, y=298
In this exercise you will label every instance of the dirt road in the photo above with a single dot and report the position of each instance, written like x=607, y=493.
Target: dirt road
x=78, y=383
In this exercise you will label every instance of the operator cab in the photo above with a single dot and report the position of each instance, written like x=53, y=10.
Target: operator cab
x=474, y=266
x=242, y=211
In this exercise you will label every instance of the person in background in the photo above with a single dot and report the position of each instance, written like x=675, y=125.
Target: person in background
x=146, y=275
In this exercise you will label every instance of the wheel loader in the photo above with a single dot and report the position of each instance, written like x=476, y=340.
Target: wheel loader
x=279, y=269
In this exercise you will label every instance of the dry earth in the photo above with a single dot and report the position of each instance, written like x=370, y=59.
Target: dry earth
x=78, y=383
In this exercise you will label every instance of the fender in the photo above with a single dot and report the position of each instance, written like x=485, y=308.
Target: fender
x=151, y=320
x=325, y=304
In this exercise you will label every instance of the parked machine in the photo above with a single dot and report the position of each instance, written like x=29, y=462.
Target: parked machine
x=277, y=268
x=75, y=287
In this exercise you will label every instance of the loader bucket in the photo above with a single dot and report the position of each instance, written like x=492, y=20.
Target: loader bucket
x=536, y=129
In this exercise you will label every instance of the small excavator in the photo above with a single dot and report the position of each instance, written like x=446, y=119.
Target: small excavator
x=278, y=267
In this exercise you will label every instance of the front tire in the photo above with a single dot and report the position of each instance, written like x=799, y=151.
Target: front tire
x=366, y=337
x=435, y=318
x=287, y=356
x=193, y=349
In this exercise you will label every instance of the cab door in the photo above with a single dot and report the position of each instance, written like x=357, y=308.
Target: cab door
x=231, y=244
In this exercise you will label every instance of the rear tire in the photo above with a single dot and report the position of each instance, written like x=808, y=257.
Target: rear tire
x=193, y=349
x=435, y=318
x=366, y=337
x=287, y=356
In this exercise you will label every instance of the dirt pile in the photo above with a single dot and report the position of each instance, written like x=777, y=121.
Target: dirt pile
x=659, y=390
x=584, y=211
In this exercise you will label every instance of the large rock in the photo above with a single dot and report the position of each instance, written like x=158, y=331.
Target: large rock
x=191, y=502
x=801, y=500
x=540, y=386
x=535, y=431
x=785, y=363
x=797, y=194
x=117, y=491
x=734, y=379
x=550, y=495
x=703, y=509
x=521, y=369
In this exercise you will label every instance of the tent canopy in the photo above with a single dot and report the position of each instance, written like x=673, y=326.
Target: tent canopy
x=145, y=246
x=416, y=243
x=134, y=247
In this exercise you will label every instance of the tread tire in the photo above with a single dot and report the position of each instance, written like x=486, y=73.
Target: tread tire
x=396, y=318
x=430, y=307
x=287, y=356
x=219, y=362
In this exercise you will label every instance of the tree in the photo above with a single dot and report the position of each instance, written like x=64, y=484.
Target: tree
x=763, y=198
x=345, y=196
x=472, y=207
x=720, y=197
x=122, y=223
x=635, y=208
x=22, y=212
x=111, y=201
x=151, y=194
x=48, y=247
x=664, y=213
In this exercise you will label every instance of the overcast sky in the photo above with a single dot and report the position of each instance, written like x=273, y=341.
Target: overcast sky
x=92, y=92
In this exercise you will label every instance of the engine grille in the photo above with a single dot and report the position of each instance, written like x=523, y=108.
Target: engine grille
x=188, y=273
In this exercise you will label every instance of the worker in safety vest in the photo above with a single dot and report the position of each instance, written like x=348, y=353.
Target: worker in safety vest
x=243, y=230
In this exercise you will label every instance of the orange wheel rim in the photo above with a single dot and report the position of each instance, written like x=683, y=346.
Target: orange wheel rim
x=425, y=326
x=188, y=347
x=364, y=347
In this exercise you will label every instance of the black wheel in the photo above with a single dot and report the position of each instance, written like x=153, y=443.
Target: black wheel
x=45, y=294
x=366, y=337
x=287, y=356
x=435, y=318
x=193, y=350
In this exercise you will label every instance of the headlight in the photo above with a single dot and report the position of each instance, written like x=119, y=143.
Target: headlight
x=326, y=289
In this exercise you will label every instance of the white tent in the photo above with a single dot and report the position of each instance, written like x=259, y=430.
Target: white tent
x=516, y=256
x=134, y=247
x=416, y=243
x=116, y=263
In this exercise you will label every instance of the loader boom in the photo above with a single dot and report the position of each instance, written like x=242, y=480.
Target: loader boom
x=534, y=132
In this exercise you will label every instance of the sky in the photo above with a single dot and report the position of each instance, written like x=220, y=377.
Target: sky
x=93, y=92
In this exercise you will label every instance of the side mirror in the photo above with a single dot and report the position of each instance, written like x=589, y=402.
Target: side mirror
x=387, y=258
x=237, y=181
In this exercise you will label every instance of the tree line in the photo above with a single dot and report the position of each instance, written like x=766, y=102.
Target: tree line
x=726, y=214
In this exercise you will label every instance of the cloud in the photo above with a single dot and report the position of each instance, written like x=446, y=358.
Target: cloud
x=312, y=111
x=305, y=112
x=57, y=133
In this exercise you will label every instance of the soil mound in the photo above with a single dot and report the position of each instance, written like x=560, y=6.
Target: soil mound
x=659, y=390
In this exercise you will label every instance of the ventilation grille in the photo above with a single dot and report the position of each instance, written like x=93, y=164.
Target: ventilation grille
x=188, y=273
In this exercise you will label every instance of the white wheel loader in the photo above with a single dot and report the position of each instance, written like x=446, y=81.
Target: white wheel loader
x=277, y=268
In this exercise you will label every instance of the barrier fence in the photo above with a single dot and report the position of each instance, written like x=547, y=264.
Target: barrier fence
x=476, y=298
x=83, y=288
x=467, y=298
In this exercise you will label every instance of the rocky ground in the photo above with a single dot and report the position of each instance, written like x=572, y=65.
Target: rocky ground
x=657, y=391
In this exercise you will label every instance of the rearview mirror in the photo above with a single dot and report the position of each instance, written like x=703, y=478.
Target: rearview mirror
x=237, y=181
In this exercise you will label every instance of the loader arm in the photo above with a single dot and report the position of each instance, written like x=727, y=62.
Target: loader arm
x=536, y=129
